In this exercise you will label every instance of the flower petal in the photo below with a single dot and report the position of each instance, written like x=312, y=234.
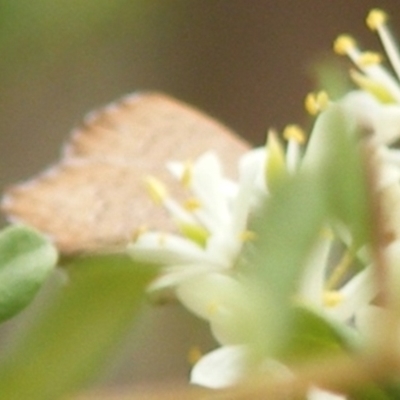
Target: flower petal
x=166, y=249
x=318, y=394
x=357, y=293
x=220, y=368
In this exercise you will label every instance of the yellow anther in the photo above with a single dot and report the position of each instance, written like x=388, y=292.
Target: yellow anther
x=343, y=44
x=332, y=298
x=368, y=58
x=310, y=104
x=247, y=236
x=194, y=355
x=195, y=233
x=275, y=167
x=187, y=174
x=340, y=270
x=156, y=189
x=376, y=18
x=314, y=103
x=192, y=204
x=294, y=132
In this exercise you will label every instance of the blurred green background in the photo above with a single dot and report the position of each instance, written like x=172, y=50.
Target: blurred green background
x=248, y=63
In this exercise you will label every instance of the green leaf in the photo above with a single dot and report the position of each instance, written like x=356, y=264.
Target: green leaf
x=286, y=227
x=26, y=260
x=334, y=152
x=311, y=335
x=70, y=342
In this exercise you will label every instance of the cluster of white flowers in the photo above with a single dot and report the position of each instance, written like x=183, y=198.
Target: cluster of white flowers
x=200, y=263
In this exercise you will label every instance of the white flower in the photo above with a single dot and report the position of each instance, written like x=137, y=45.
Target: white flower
x=214, y=222
x=377, y=106
x=371, y=76
x=336, y=292
x=199, y=261
x=381, y=120
x=226, y=303
x=321, y=286
x=229, y=365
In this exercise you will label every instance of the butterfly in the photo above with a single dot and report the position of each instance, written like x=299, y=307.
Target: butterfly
x=94, y=198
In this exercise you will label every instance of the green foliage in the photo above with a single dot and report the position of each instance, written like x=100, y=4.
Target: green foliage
x=26, y=260
x=311, y=336
x=70, y=342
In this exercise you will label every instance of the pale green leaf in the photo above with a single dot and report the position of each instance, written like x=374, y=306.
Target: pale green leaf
x=26, y=260
x=312, y=336
x=286, y=227
x=334, y=152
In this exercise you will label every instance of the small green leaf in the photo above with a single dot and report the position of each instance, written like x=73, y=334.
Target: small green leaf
x=313, y=336
x=26, y=260
x=71, y=340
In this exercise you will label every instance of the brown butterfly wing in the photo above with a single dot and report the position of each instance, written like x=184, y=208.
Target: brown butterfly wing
x=133, y=127
x=80, y=205
x=95, y=198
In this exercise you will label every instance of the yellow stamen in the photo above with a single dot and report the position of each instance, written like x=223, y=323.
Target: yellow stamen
x=187, y=175
x=194, y=232
x=372, y=86
x=275, y=167
x=344, y=44
x=314, y=103
x=194, y=355
x=156, y=189
x=247, y=236
x=332, y=298
x=192, y=204
x=368, y=58
x=376, y=18
x=340, y=271
x=294, y=132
